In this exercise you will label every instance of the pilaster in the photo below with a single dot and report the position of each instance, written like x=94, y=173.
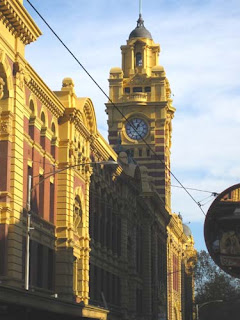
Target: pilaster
x=15, y=128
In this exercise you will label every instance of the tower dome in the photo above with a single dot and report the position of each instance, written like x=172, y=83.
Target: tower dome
x=187, y=231
x=140, y=31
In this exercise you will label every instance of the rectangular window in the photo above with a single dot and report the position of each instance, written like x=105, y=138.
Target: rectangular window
x=50, y=269
x=41, y=194
x=139, y=301
x=40, y=265
x=118, y=291
x=140, y=152
x=137, y=89
x=51, y=206
x=175, y=273
x=119, y=237
x=148, y=153
x=127, y=90
x=139, y=250
x=147, y=89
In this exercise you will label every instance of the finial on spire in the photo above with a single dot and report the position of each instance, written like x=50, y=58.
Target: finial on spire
x=140, y=22
x=140, y=31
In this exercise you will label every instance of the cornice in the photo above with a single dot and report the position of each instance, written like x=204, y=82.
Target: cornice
x=175, y=228
x=42, y=92
x=99, y=144
x=18, y=21
x=73, y=115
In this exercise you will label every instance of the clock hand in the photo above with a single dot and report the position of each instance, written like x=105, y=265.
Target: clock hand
x=137, y=126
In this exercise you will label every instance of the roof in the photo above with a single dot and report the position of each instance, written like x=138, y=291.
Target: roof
x=140, y=31
x=187, y=231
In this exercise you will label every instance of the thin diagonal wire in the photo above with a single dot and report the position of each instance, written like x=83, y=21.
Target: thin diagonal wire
x=76, y=59
x=200, y=190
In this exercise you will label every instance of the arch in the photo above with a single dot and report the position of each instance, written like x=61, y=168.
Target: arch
x=31, y=107
x=77, y=215
x=89, y=116
x=6, y=75
x=31, y=118
x=32, y=104
x=139, y=61
x=137, y=115
x=43, y=118
x=53, y=129
x=79, y=198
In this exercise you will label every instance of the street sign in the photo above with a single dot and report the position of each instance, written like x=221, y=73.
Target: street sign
x=222, y=230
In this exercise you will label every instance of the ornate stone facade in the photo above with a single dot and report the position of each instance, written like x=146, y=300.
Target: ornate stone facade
x=47, y=136
x=100, y=236
x=128, y=243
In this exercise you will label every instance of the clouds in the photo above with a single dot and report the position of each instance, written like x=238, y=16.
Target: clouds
x=200, y=51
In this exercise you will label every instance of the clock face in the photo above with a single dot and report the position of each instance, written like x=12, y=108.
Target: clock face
x=140, y=131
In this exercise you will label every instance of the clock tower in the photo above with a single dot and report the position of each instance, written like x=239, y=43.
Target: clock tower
x=140, y=108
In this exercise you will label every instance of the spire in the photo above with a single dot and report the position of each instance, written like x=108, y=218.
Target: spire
x=140, y=22
x=140, y=31
x=140, y=8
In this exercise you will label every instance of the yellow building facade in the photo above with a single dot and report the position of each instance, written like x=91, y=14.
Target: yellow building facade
x=43, y=135
x=180, y=265
x=102, y=238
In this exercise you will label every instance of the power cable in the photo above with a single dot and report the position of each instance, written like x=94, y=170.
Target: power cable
x=54, y=165
x=213, y=193
x=134, y=128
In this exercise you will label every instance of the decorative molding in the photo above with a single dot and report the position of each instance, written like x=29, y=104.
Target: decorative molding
x=5, y=127
x=2, y=83
x=19, y=74
x=139, y=80
x=18, y=21
x=2, y=55
x=41, y=94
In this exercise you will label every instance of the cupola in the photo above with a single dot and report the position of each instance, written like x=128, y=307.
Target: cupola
x=140, y=31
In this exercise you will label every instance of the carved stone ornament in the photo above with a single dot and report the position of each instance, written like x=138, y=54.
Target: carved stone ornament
x=19, y=74
x=5, y=127
x=139, y=80
x=2, y=83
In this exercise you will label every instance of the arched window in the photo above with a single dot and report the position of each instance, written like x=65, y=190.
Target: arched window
x=53, y=129
x=43, y=130
x=138, y=59
x=31, y=120
x=31, y=106
x=53, y=141
x=77, y=215
x=43, y=119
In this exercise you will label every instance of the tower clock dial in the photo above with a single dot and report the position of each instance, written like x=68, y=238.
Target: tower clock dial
x=136, y=128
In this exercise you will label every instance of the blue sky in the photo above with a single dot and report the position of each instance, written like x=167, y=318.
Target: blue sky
x=200, y=51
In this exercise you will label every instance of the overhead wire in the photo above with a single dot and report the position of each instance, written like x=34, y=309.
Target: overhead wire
x=115, y=106
x=213, y=193
x=200, y=190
